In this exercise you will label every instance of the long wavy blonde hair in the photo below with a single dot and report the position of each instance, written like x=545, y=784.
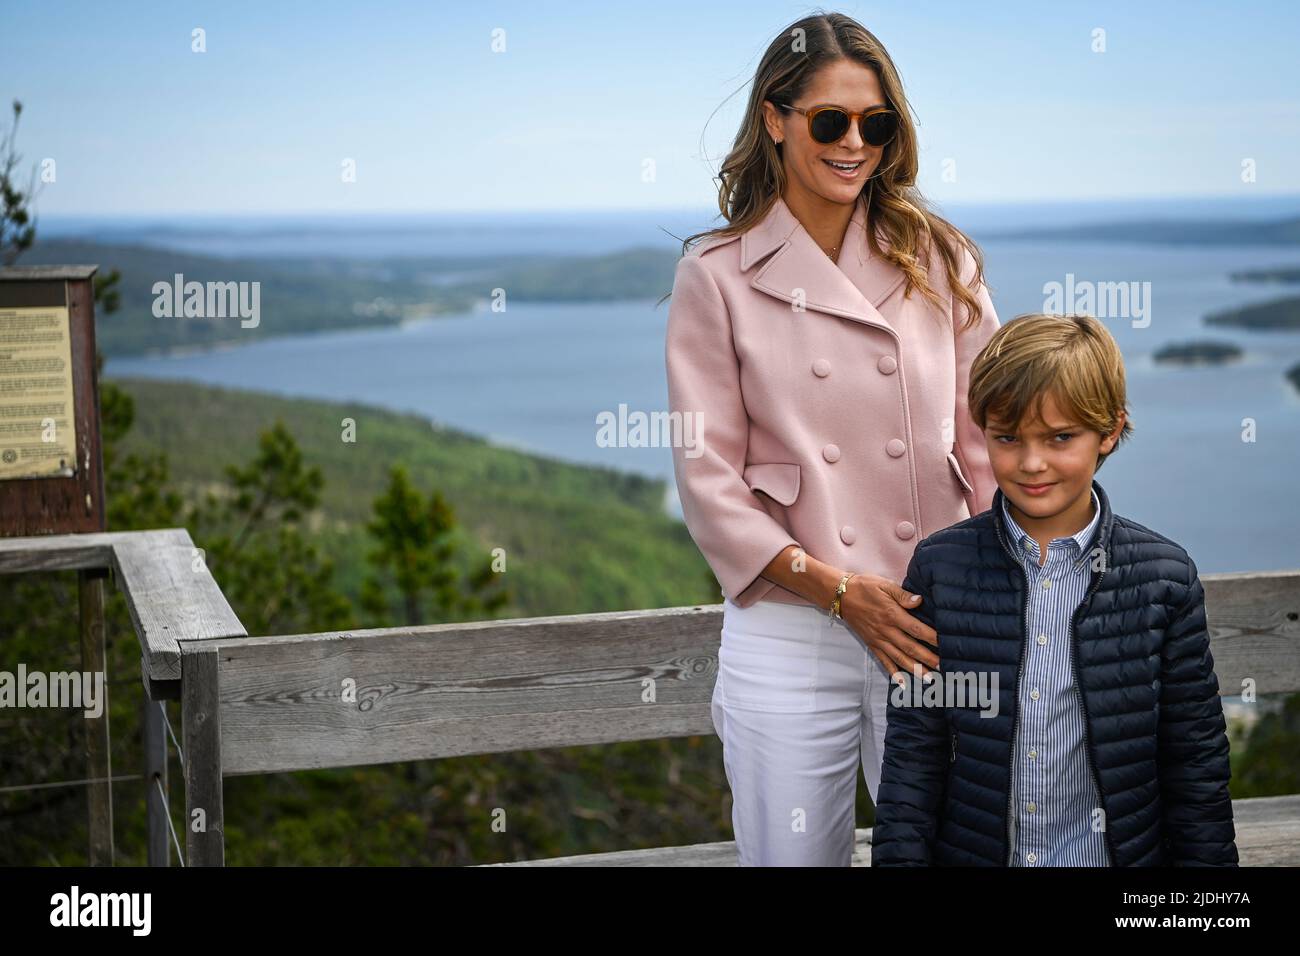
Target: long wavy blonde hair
x=753, y=176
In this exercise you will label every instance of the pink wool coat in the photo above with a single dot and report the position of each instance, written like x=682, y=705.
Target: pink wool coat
x=825, y=409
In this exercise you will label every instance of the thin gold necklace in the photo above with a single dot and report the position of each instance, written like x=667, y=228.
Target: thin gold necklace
x=834, y=249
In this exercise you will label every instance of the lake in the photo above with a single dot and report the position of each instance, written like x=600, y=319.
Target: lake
x=536, y=376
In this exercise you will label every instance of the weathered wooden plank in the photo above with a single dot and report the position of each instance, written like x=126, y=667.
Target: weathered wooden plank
x=56, y=552
x=1268, y=834
x=700, y=854
x=1254, y=620
x=491, y=686
x=46, y=273
x=453, y=689
x=171, y=596
x=1268, y=830
x=205, y=825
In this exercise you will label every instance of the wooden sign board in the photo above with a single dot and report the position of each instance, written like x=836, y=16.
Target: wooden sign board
x=51, y=460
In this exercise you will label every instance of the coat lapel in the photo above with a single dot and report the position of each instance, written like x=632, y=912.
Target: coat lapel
x=849, y=289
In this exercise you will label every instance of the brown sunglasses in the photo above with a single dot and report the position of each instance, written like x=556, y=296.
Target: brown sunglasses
x=828, y=124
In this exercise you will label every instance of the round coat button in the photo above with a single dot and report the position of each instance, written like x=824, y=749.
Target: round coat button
x=905, y=529
x=821, y=368
x=831, y=452
x=848, y=534
x=895, y=447
x=887, y=364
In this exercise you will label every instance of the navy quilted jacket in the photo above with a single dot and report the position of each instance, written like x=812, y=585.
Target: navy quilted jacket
x=1155, y=733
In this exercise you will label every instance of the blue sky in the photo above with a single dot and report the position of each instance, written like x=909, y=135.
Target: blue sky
x=584, y=93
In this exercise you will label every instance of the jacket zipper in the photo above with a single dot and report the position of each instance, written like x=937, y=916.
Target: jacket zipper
x=1087, y=741
x=1015, y=686
x=1015, y=697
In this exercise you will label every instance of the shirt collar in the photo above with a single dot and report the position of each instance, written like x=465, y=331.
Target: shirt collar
x=1022, y=542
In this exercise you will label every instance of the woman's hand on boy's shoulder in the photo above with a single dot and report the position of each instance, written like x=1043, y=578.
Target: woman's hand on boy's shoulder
x=878, y=611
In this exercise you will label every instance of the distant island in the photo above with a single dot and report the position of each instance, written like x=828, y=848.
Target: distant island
x=1198, y=353
x=1283, y=313
x=1228, y=232
x=1272, y=315
x=1282, y=274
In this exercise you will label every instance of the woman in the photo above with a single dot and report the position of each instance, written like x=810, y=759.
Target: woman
x=818, y=348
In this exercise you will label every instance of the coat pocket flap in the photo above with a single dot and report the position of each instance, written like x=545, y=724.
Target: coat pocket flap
x=777, y=479
x=956, y=470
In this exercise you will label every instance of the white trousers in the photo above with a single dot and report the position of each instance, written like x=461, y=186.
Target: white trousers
x=798, y=702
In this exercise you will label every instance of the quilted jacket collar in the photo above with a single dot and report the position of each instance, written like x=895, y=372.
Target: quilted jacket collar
x=1104, y=525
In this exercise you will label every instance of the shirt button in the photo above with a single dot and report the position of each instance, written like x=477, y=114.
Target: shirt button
x=1032, y=857
x=831, y=452
x=905, y=529
x=1042, y=638
x=895, y=447
x=1047, y=582
x=1033, y=754
x=848, y=534
x=887, y=364
x=821, y=368
x=1033, y=694
x=1030, y=807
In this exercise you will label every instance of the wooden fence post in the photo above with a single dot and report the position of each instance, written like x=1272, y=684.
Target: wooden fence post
x=154, y=734
x=99, y=769
x=205, y=827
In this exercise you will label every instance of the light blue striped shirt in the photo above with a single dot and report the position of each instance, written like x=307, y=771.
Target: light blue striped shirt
x=1055, y=799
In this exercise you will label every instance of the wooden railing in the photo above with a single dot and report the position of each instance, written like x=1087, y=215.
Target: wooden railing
x=339, y=699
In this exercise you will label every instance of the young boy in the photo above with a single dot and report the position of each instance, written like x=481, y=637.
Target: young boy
x=1105, y=742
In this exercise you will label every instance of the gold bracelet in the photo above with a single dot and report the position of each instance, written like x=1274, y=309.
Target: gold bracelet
x=839, y=593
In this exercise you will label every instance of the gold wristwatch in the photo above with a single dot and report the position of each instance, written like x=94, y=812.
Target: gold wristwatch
x=839, y=593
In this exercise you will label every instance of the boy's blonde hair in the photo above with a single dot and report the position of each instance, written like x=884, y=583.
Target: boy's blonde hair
x=1072, y=357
